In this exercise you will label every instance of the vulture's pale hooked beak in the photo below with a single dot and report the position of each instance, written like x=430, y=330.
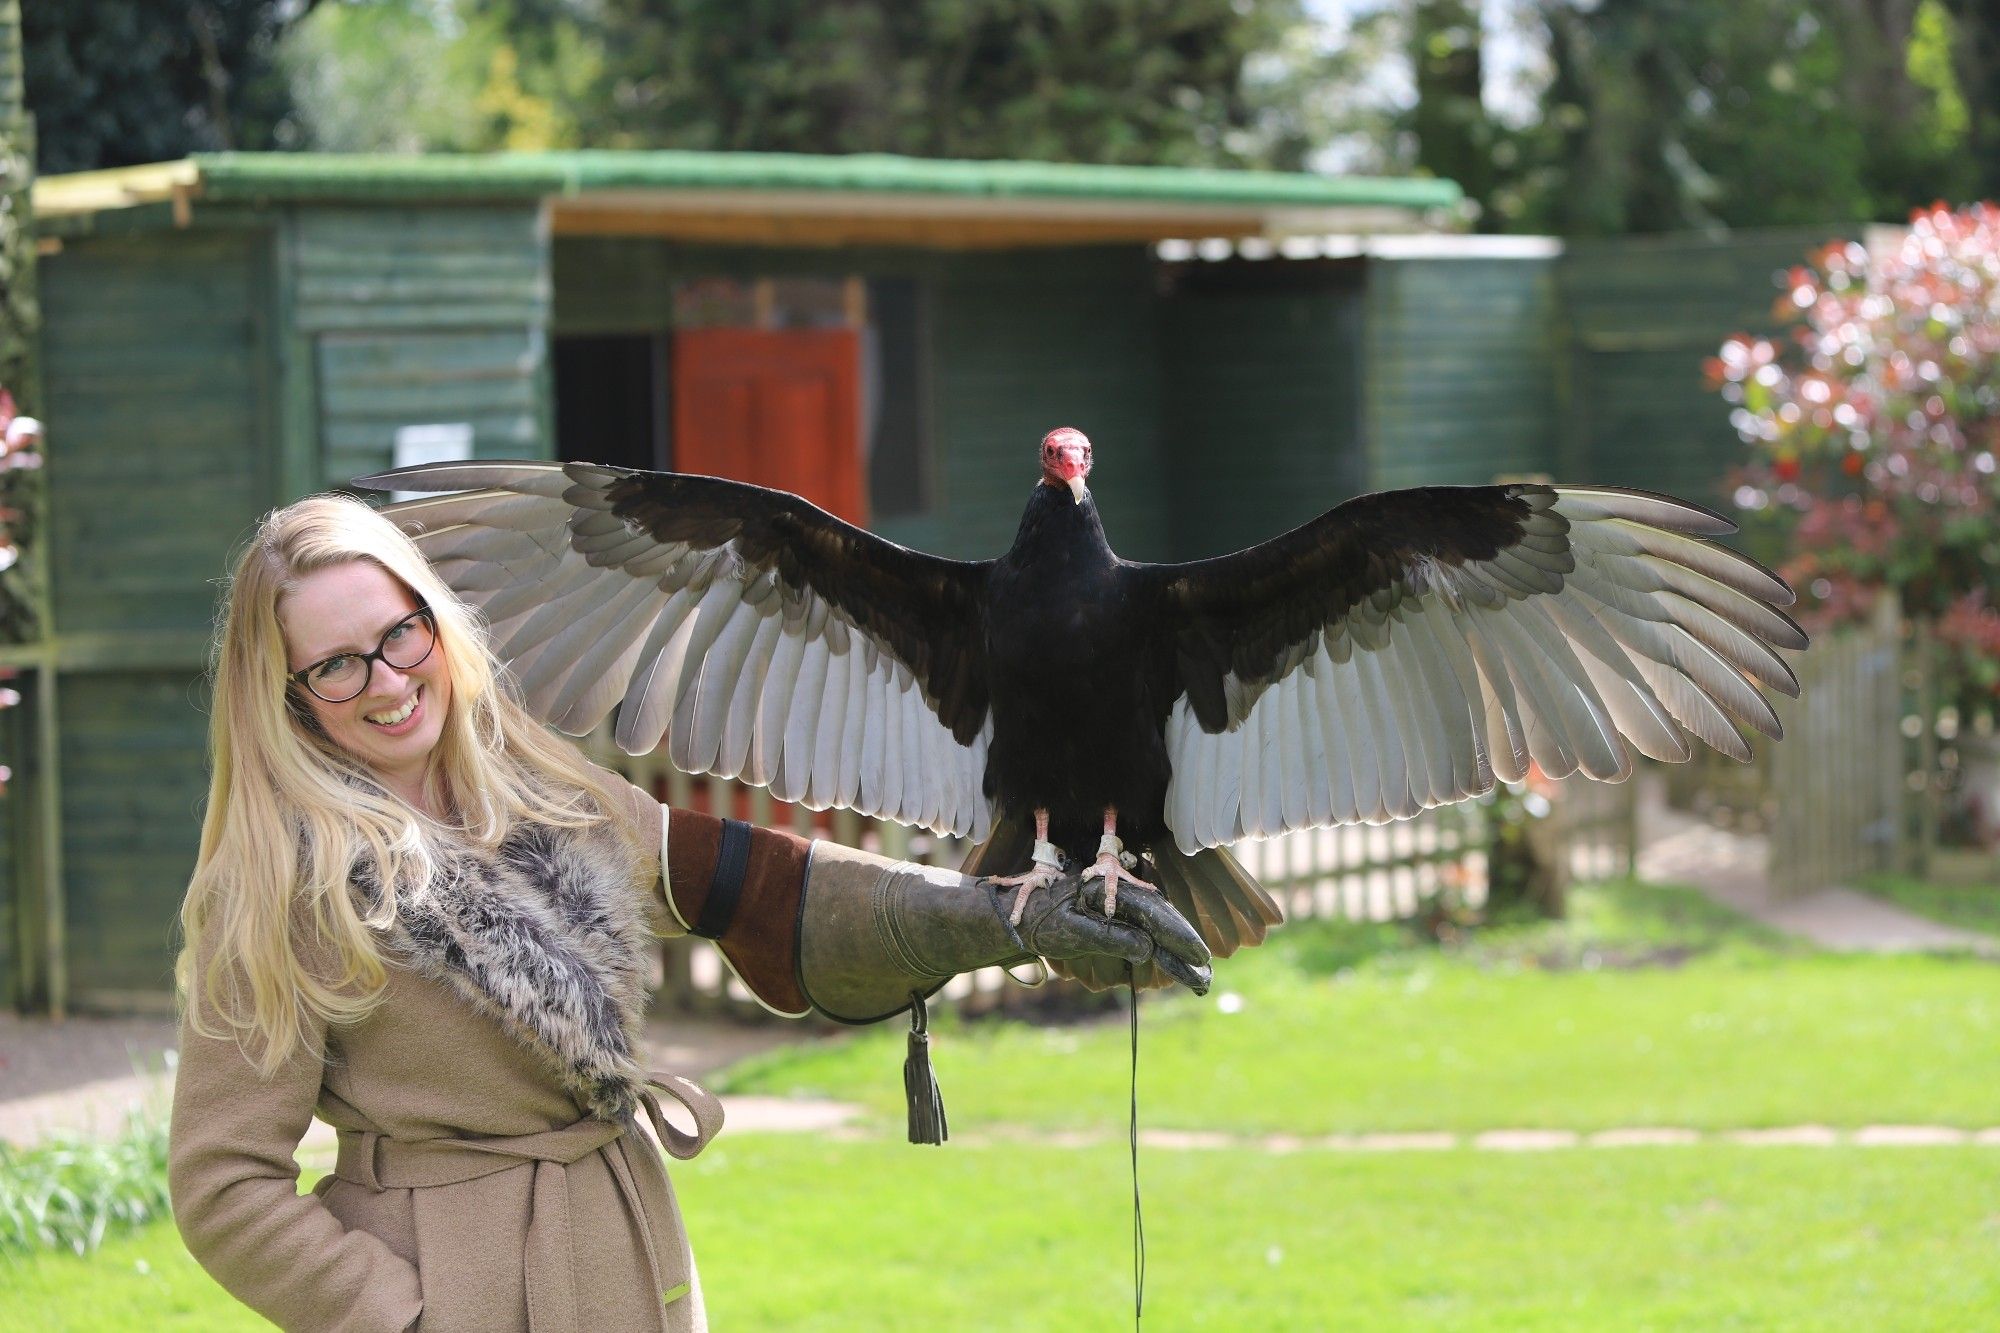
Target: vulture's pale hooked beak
x=1077, y=489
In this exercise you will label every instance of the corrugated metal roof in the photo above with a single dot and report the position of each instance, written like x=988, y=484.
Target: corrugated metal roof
x=605, y=190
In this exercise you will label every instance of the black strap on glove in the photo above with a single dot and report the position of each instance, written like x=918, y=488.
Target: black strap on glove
x=725, y=891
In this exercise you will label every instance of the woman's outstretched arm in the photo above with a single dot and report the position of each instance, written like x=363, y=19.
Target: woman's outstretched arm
x=814, y=925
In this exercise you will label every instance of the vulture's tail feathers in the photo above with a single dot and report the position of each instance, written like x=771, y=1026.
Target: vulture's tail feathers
x=1218, y=895
x=1005, y=851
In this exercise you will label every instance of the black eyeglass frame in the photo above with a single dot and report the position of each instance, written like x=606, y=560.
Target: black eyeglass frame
x=368, y=660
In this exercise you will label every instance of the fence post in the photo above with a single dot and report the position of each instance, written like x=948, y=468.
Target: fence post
x=1924, y=782
x=1885, y=720
x=38, y=898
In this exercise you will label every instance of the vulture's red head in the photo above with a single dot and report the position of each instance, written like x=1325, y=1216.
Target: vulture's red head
x=1066, y=460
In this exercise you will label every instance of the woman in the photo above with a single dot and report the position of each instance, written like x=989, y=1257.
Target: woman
x=420, y=916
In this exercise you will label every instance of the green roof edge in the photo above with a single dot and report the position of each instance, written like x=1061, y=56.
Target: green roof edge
x=246, y=177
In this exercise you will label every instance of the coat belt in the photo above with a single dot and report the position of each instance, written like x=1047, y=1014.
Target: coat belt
x=378, y=1162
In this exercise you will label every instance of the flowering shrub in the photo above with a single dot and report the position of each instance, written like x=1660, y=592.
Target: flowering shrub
x=20, y=451
x=1874, y=433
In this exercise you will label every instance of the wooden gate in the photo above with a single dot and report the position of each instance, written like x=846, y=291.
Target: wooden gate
x=1836, y=780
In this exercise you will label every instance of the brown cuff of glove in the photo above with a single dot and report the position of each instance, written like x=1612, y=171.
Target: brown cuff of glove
x=761, y=941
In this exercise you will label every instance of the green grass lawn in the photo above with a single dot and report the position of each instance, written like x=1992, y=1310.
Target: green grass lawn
x=140, y=1282
x=1039, y=1238
x=1647, y=1007
x=798, y=1233
x=1968, y=906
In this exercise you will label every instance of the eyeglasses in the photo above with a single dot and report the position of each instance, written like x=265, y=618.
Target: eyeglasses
x=345, y=675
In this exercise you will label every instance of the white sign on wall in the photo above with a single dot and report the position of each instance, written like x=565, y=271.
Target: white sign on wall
x=438, y=442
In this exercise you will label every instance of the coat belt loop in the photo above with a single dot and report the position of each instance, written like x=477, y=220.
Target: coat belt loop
x=551, y=1270
x=367, y=1141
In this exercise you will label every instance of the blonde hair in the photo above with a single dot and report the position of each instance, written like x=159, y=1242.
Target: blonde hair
x=271, y=933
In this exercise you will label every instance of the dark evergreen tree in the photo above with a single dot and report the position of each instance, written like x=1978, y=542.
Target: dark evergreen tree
x=1455, y=138
x=1977, y=59
x=114, y=82
x=1113, y=81
x=1733, y=113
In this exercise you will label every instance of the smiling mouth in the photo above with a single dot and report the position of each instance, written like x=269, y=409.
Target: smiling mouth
x=398, y=716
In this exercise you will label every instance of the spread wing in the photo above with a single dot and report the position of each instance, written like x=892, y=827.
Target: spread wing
x=1404, y=650
x=762, y=637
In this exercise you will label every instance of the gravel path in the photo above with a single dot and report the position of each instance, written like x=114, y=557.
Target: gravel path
x=1729, y=867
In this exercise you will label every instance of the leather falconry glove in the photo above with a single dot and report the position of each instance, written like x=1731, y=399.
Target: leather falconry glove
x=860, y=937
x=874, y=933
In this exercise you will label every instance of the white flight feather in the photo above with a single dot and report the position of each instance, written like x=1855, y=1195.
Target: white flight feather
x=720, y=667
x=1331, y=723
x=739, y=725
x=776, y=702
x=874, y=734
x=542, y=672
x=855, y=721
x=1312, y=742
x=1600, y=752
x=1297, y=805
x=642, y=719
x=824, y=786
x=597, y=681
x=799, y=718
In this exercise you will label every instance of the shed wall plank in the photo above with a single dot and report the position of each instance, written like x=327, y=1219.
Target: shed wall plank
x=418, y=317
x=1642, y=314
x=133, y=752
x=1264, y=409
x=157, y=460
x=1457, y=371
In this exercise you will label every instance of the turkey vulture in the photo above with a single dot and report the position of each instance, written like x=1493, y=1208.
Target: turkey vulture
x=1401, y=651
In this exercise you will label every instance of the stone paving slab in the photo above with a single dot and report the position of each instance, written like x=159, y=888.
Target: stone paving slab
x=1790, y=1136
x=1524, y=1140
x=1838, y=918
x=1644, y=1137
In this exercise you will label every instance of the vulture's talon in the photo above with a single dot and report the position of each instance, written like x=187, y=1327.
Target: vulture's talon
x=1024, y=884
x=1108, y=868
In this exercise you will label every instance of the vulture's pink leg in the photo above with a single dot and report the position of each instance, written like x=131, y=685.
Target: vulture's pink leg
x=1109, y=867
x=1048, y=868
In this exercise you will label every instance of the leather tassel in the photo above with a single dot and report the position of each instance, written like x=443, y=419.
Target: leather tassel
x=927, y=1122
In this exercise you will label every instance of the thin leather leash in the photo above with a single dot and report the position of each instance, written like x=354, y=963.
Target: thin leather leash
x=1138, y=1214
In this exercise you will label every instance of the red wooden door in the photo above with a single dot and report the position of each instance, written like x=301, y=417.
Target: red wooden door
x=778, y=407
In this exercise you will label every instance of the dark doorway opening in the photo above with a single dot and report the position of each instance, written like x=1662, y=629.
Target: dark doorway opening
x=611, y=399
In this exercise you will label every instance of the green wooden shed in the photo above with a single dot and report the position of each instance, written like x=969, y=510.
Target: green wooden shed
x=889, y=336
x=229, y=332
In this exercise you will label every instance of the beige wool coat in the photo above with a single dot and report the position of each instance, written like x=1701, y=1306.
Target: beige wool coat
x=492, y=1175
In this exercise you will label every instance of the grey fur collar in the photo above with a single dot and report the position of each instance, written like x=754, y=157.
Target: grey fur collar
x=547, y=934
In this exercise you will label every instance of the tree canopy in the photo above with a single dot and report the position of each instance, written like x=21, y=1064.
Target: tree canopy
x=1714, y=114
x=114, y=82
x=1635, y=115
